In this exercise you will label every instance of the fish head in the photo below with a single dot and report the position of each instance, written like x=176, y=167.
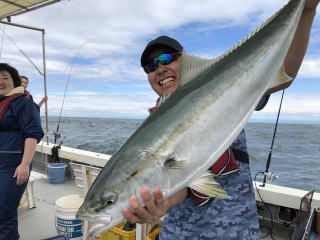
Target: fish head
x=103, y=209
x=129, y=169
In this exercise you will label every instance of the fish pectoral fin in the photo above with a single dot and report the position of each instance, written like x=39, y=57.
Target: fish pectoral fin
x=208, y=186
x=172, y=163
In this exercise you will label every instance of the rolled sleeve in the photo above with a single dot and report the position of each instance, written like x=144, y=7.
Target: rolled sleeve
x=29, y=121
x=263, y=102
x=282, y=77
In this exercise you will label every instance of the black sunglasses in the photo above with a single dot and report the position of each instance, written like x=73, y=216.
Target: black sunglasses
x=163, y=59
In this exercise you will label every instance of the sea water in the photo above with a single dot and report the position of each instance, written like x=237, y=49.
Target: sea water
x=295, y=156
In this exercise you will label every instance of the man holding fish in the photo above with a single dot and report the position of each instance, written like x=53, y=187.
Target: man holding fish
x=190, y=214
x=188, y=159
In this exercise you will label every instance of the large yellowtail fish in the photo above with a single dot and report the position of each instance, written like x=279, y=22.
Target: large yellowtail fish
x=175, y=146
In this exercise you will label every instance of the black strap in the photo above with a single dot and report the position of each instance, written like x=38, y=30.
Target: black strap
x=241, y=156
x=10, y=130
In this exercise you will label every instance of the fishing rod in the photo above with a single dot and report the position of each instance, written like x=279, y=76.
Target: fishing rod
x=268, y=176
x=56, y=133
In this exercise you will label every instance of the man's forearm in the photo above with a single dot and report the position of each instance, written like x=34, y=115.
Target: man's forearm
x=299, y=43
x=177, y=198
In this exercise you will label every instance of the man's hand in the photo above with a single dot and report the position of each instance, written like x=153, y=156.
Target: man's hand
x=154, y=207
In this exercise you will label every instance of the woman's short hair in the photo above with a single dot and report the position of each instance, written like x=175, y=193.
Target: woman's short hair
x=22, y=76
x=13, y=73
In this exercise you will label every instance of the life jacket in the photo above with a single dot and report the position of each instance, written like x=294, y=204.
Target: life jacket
x=225, y=165
x=27, y=93
x=4, y=104
x=151, y=110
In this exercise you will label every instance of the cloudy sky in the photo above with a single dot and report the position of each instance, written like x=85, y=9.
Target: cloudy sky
x=106, y=38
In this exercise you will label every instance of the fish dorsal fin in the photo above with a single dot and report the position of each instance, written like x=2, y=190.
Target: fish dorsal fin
x=192, y=66
x=258, y=29
x=208, y=186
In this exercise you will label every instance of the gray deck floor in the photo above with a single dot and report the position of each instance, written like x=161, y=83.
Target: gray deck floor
x=39, y=222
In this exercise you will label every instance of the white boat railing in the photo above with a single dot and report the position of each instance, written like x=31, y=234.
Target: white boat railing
x=273, y=194
x=85, y=166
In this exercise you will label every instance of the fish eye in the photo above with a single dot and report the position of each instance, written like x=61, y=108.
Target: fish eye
x=109, y=198
x=109, y=202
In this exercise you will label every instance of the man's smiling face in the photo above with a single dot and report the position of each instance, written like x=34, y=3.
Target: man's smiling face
x=165, y=79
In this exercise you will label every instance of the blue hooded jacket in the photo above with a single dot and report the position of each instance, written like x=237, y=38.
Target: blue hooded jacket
x=21, y=121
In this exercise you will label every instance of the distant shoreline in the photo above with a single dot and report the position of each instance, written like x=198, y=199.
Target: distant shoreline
x=284, y=121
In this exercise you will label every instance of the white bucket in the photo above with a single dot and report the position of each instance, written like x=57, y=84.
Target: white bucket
x=66, y=222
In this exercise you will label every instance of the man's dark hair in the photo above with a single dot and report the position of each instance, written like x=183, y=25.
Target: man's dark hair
x=13, y=73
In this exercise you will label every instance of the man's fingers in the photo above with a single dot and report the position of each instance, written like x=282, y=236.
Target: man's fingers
x=136, y=217
x=130, y=216
x=152, y=209
x=154, y=203
x=149, y=202
x=139, y=211
x=158, y=197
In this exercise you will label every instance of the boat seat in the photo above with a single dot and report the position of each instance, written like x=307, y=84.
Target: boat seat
x=29, y=194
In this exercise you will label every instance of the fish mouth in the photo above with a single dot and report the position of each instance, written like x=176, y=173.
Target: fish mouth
x=97, y=218
x=100, y=223
x=96, y=229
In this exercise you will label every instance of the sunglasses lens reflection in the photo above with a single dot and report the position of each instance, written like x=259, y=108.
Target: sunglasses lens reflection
x=163, y=59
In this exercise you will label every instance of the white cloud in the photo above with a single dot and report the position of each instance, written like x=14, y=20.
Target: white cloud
x=310, y=67
x=296, y=107
x=118, y=28
x=88, y=104
x=114, y=33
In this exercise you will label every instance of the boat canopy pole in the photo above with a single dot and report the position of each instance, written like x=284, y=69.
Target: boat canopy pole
x=44, y=73
x=27, y=8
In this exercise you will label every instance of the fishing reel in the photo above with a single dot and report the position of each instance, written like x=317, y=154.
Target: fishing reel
x=56, y=146
x=270, y=177
x=56, y=136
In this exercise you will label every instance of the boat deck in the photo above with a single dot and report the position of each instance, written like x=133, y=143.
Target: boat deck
x=39, y=222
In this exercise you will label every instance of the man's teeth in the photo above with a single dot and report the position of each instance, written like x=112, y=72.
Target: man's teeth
x=164, y=81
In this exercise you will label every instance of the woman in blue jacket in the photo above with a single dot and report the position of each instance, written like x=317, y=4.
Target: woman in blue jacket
x=20, y=131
